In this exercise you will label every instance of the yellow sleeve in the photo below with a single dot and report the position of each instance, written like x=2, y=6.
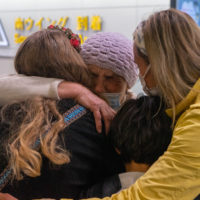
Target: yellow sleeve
x=176, y=174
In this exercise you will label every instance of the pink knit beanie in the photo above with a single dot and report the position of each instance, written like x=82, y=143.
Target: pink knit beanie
x=111, y=51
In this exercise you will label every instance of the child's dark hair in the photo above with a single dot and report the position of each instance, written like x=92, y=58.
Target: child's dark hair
x=141, y=130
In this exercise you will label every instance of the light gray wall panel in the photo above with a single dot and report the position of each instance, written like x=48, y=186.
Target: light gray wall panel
x=122, y=20
x=144, y=12
x=7, y=66
x=58, y=4
x=19, y=5
x=108, y=4
x=153, y=2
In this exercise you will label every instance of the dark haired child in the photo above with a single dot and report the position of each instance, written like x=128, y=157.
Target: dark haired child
x=141, y=132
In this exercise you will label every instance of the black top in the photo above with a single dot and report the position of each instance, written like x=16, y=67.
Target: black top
x=198, y=197
x=93, y=159
x=105, y=188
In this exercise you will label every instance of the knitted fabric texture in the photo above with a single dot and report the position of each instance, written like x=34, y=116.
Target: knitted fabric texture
x=111, y=51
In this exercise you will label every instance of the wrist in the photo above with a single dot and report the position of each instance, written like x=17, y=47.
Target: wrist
x=69, y=90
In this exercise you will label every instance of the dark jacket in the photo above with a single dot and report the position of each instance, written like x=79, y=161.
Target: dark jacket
x=93, y=158
x=105, y=188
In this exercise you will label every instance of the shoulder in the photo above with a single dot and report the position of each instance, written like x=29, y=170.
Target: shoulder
x=191, y=116
x=81, y=117
x=66, y=104
x=186, y=134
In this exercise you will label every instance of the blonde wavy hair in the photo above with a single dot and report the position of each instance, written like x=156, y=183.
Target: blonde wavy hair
x=172, y=40
x=46, y=53
x=28, y=122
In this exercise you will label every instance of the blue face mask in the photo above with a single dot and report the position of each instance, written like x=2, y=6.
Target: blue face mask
x=113, y=99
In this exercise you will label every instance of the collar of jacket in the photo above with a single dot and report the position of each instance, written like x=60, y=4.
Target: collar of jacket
x=185, y=103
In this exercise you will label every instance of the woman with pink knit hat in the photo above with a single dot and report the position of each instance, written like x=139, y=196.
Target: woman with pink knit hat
x=110, y=59
x=109, y=56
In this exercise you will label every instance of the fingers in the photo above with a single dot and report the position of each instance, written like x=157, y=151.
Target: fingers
x=101, y=110
x=113, y=112
x=107, y=114
x=97, y=118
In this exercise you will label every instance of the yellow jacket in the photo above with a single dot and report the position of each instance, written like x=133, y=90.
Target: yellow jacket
x=176, y=174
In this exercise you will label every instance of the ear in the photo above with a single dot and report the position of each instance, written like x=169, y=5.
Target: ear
x=118, y=151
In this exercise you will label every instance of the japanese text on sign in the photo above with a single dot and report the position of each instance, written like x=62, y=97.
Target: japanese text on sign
x=82, y=24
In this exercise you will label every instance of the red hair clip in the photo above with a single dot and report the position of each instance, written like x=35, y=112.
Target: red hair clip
x=73, y=38
x=74, y=42
x=51, y=26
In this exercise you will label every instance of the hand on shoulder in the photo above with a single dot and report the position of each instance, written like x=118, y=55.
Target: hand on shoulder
x=101, y=110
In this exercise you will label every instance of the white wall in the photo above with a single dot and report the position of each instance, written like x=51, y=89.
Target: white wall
x=117, y=16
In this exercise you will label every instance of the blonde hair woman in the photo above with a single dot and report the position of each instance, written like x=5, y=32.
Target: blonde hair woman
x=167, y=51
